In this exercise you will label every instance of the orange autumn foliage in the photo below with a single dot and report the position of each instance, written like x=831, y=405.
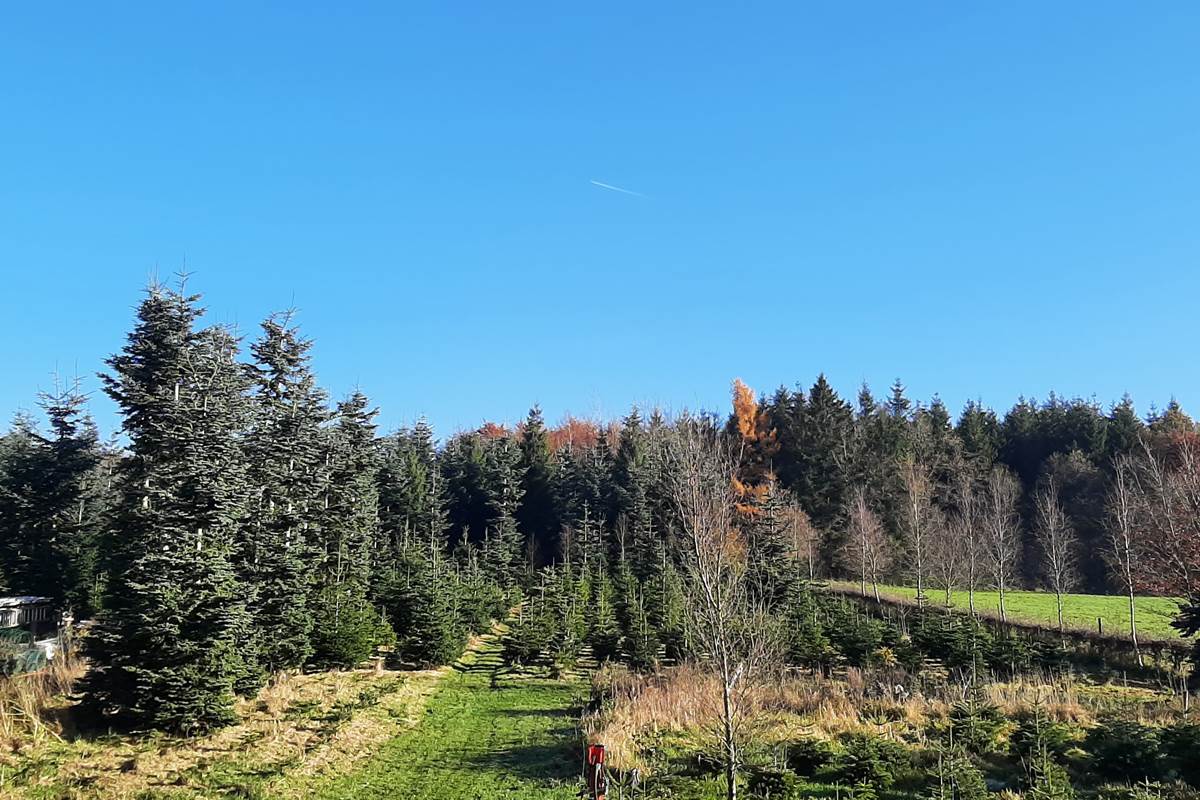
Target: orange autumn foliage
x=491, y=430
x=759, y=445
x=745, y=411
x=578, y=434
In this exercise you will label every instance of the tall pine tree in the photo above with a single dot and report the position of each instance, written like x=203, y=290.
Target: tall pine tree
x=165, y=651
x=287, y=469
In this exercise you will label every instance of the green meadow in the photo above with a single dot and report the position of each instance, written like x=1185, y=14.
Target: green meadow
x=1081, y=611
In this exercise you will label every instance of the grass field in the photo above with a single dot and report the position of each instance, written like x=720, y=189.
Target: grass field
x=1154, y=614
x=474, y=731
x=486, y=735
x=292, y=735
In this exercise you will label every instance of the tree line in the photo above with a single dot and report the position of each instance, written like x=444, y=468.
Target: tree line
x=244, y=525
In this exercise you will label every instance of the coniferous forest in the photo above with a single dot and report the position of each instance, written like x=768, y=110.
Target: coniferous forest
x=245, y=524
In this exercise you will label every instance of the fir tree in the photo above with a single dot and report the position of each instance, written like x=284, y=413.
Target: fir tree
x=412, y=492
x=537, y=514
x=773, y=570
x=165, y=651
x=421, y=600
x=349, y=545
x=503, y=556
x=50, y=503
x=286, y=463
x=604, y=632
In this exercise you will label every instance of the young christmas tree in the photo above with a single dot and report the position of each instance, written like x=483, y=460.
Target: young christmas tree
x=346, y=625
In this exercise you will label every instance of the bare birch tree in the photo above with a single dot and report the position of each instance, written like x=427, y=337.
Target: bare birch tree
x=1002, y=531
x=967, y=522
x=802, y=536
x=1123, y=551
x=1168, y=499
x=918, y=516
x=867, y=549
x=1059, y=546
x=732, y=637
x=947, y=552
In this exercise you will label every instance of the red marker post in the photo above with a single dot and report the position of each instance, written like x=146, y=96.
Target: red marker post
x=597, y=781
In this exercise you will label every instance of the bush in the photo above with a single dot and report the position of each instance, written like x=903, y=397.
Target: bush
x=348, y=634
x=1124, y=750
x=955, y=777
x=773, y=784
x=1181, y=746
x=869, y=759
x=1034, y=732
x=976, y=723
x=807, y=756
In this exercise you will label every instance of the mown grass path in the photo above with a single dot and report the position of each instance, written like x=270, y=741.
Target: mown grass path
x=486, y=735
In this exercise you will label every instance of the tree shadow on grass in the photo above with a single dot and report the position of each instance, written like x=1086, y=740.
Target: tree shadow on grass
x=557, y=762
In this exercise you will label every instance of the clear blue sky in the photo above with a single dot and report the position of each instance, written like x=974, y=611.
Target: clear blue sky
x=986, y=200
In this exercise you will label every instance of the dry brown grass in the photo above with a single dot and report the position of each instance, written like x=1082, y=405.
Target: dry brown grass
x=31, y=704
x=299, y=728
x=637, y=709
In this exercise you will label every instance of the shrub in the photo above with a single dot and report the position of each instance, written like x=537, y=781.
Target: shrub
x=955, y=777
x=807, y=756
x=1124, y=750
x=1036, y=732
x=870, y=759
x=976, y=723
x=1181, y=746
x=773, y=784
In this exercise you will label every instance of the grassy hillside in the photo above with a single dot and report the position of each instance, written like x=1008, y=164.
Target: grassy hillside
x=1154, y=614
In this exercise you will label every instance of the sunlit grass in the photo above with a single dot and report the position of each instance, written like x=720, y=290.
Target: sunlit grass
x=1080, y=611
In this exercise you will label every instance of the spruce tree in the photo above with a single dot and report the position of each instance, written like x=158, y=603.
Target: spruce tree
x=504, y=555
x=421, y=599
x=50, y=505
x=537, y=514
x=412, y=492
x=346, y=625
x=26, y=556
x=481, y=598
x=287, y=471
x=604, y=632
x=165, y=652
x=773, y=570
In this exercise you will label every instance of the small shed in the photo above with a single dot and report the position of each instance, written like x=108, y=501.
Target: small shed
x=34, y=614
x=29, y=630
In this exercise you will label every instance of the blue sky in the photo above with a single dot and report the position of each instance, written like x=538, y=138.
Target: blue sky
x=987, y=200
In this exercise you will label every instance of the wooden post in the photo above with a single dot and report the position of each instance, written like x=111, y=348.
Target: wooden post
x=1100, y=625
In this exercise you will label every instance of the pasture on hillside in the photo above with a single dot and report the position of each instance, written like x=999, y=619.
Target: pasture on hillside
x=1081, y=611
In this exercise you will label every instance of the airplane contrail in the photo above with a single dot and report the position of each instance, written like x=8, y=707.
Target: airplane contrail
x=616, y=188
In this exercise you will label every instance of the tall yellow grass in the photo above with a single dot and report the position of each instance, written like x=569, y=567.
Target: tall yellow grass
x=636, y=709
x=31, y=704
